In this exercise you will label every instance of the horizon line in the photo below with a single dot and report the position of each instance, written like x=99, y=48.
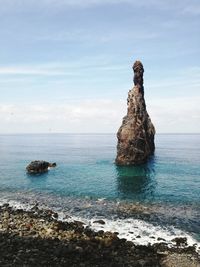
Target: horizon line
x=84, y=133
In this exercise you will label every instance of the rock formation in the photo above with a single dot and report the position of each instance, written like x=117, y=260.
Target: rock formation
x=136, y=134
x=39, y=166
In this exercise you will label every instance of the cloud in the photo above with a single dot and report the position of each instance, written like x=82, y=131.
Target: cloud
x=83, y=116
x=57, y=4
x=104, y=115
x=86, y=36
x=33, y=70
x=175, y=114
x=185, y=81
x=74, y=68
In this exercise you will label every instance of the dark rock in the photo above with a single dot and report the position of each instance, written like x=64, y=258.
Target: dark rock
x=136, y=134
x=180, y=241
x=100, y=233
x=39, y=166
x=99, y=221
x=52, y=165
x=55, y=215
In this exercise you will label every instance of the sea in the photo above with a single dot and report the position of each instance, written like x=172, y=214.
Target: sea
x=153, y=202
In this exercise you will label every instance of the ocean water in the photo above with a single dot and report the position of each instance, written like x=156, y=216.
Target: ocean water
x=87, y=184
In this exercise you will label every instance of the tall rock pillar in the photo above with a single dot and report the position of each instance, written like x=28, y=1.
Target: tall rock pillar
x=136, y=134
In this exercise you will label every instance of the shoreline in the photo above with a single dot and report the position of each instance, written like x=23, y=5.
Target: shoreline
x=37, y=237
x=153, y=223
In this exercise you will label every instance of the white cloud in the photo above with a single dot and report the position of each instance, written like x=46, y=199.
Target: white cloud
x=103, y=115
x=44, y=70
x=84, y=116
x=61, y=68
x=178, y=114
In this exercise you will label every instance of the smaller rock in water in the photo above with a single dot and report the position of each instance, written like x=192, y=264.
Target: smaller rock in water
x=39, y=166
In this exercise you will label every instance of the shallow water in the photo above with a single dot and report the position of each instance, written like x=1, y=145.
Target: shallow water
x=169, y=183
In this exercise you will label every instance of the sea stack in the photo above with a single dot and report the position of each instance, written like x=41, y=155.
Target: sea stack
x=136, y=134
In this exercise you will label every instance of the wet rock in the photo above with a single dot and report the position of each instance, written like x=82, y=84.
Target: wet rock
x=162, y=252
x=99, y=222
x=55, y=215
x=180, y=241
x=39, y=166
x=161, y=239
x=136, y=134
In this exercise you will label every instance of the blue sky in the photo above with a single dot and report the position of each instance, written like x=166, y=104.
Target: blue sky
x=66, y=65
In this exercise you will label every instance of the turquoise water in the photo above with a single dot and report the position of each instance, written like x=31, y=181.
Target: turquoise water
x=86, y=170
x=85, y=167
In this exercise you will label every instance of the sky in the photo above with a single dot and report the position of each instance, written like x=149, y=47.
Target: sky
x=66, y=65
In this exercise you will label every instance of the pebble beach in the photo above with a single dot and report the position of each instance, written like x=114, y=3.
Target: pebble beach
x=36, y=237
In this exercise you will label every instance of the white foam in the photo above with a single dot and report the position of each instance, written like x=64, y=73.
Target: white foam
x=18, y=205
x=138, y=231
x=131, y=229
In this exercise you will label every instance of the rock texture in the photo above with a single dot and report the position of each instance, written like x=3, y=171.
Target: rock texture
x=39, y=166
x=136, y=134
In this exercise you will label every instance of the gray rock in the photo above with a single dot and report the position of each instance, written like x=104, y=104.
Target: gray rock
x=39, y=166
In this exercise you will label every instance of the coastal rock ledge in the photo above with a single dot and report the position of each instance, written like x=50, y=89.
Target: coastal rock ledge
x=136, y=134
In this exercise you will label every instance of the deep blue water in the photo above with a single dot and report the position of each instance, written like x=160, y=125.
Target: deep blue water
x=169, y=183
x=85, y=167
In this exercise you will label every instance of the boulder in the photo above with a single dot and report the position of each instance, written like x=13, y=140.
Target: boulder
x=39, y=166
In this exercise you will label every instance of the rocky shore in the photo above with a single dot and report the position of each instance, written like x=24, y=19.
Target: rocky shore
x=37, y=238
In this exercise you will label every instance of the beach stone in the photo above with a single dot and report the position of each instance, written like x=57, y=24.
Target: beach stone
x=39, y=166
x=180, y=241
x=49, y=231
x=136, y=134
x=60, y=244
x=6, y=215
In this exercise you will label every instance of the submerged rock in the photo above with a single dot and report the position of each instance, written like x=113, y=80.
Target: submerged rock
x=39, y=166
x=136, y=134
